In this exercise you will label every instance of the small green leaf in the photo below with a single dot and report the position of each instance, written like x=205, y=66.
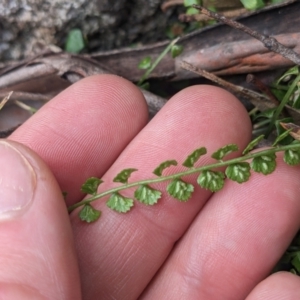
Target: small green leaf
x=253, y=4
x=158, y=171
x=147, y=195
x=145, y=85
x=193, y=157
x=282, y=136
x=124, y=175
x=75, y=41
x=264, y=164
x=252, y=144
x=89, y=214
x=292, y=157
x=65, y=194
x=293, y=271
x=119, y=203
x=210, y=180
x=266, y=114
x=296, y=262
x=287, y=75
x=176, y=50
x=239, y=172
x=91, y=185
x=145, y=63
x=219, y=154
x=188, y=3
x=180, y=189
x=192, y=11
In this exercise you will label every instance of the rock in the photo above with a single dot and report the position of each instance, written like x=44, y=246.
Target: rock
x=107, y=24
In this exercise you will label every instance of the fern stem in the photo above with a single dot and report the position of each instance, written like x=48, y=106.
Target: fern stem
x=185, y=173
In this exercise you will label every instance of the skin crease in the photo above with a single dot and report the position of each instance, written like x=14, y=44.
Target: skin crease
x=219, y=246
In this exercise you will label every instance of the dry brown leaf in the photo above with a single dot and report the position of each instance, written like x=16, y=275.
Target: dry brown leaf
x=295, y=129
x=5, y=99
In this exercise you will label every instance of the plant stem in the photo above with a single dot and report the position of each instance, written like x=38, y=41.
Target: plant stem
x=282, y=104
x=185, y=173
x=157, y=61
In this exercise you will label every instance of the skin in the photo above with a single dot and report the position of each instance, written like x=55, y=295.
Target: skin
x=215, y=246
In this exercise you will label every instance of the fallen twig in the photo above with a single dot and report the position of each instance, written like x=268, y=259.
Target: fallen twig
x=170, y=3
x=269, y=42
x=262, y=87
x=72, y=67
x=258, y=100
x=202, y=18
x=23, y=96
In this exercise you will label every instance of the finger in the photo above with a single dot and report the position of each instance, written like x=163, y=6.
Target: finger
x=37, y=254
x=236, y=239
x=83, y=130
x=123, y=252
x=279, y=286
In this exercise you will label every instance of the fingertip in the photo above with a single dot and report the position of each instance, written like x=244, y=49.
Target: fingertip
x=108, y=87
x=219, y=111
x=278, y=286
x=209, y=96
x=85, y=128
x=85, y=98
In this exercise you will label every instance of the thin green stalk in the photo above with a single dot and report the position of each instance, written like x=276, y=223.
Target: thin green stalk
x=185, y=173
x=279, y=86
x=253, y=111
x=259, y=131
x=261, y=124
x=282, y=104
x=157, y=61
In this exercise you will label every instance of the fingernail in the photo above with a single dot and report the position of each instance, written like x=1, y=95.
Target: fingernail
x=17, y=181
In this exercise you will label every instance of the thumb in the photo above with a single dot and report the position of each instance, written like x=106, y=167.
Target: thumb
x=37, y=255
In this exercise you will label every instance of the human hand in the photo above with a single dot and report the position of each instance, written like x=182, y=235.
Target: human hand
x=215, y=246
